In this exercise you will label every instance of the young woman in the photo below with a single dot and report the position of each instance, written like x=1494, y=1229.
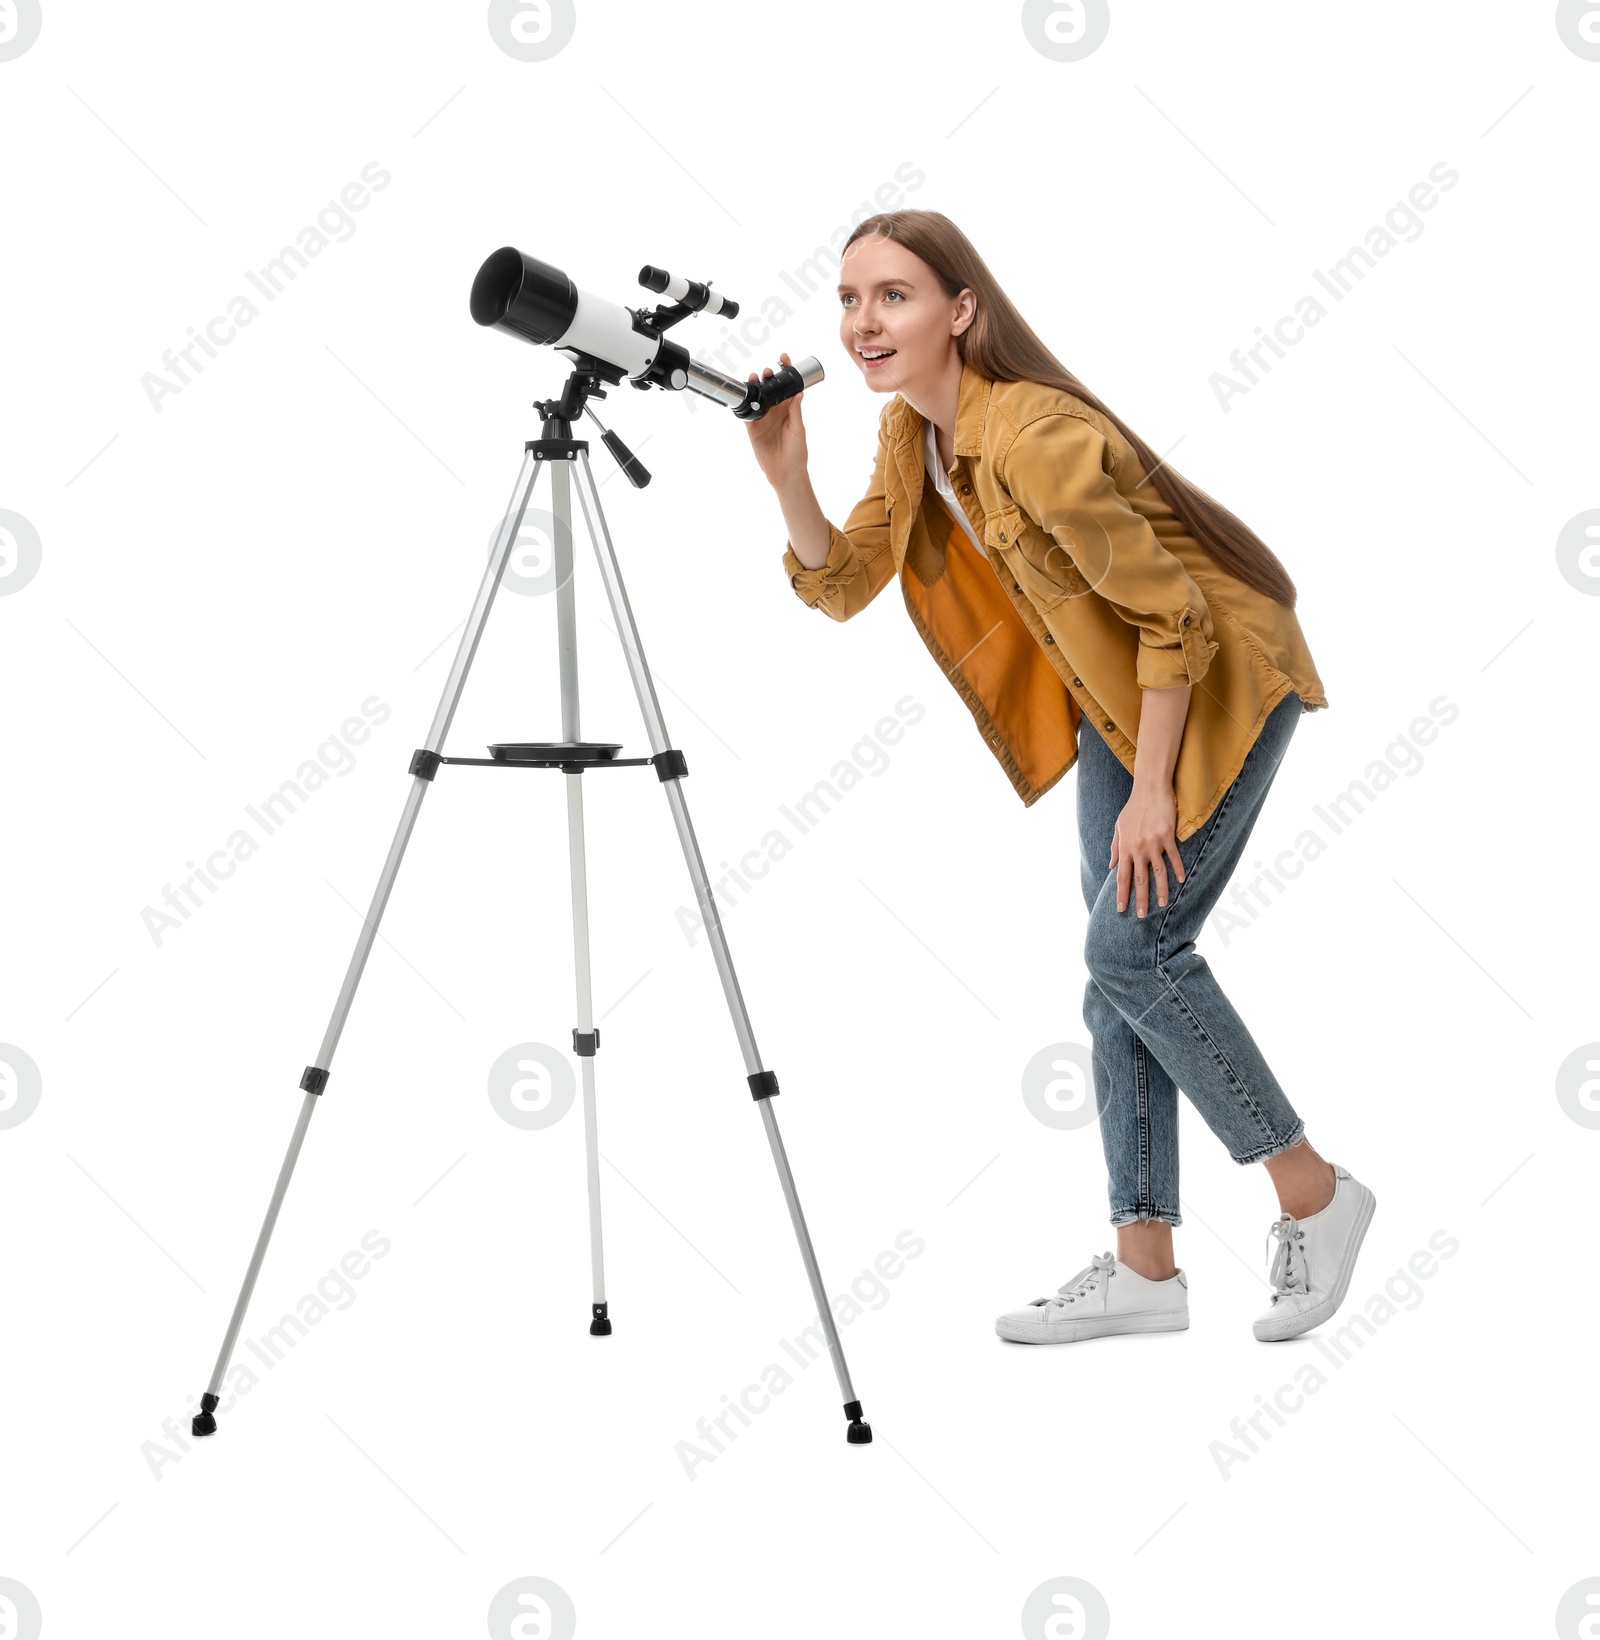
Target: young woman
x=1092, y=608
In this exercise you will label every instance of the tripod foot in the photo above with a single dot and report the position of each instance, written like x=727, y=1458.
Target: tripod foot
x=859, y=1433
x=600, y=1327
x=204, y=1423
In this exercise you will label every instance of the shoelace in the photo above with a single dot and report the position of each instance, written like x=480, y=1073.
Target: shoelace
x=1289, y=1273
x=1069, y=1292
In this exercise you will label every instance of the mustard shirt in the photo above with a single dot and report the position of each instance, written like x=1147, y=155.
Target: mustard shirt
x=1094, y=591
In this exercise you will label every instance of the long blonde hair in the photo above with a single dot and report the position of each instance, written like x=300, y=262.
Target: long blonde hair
x=1000, y=344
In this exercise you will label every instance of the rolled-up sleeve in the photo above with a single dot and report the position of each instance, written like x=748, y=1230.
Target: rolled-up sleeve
x=860, y=564
x=1059, y=471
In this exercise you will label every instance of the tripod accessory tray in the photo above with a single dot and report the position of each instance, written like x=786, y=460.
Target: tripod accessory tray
x=570, y=756
x=549, y=753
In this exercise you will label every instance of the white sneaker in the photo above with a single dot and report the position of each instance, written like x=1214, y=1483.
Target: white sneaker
x=1311, y=1269
x=1107, y=1297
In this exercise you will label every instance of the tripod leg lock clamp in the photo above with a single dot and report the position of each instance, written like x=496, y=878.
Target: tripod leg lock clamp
x=670, y=765
x=314, y=1080
x=763, y=1084
x=585, y=1042
x=425, y=763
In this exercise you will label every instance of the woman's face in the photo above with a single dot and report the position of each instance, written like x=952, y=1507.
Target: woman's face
x=890, y=305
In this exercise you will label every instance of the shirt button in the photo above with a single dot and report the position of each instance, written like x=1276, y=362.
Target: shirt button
x=966, y=489
x=1049, y=637
x=1078, y=681
x=1015, y=587
x=1111, y=725
x=1186, y=620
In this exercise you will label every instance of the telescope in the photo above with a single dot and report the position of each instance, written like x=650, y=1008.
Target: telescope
x=607, y=343
x=525, y=297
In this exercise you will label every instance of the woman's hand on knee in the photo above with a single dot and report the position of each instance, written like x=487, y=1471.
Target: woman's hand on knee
x=1144, y=839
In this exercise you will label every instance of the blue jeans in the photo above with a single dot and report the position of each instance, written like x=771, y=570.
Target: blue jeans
x=1157, y=1016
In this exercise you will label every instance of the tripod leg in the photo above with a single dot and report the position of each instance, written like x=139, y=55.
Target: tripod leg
x=316, y=1075
x=585, y=1039
x=763, y=1083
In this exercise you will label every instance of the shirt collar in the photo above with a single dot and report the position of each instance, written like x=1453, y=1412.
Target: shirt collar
x=972, y=409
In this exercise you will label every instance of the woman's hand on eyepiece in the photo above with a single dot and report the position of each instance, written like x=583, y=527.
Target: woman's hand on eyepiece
x=779, y=437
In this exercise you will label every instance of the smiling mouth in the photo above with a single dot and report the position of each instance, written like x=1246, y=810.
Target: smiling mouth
x=875, y=356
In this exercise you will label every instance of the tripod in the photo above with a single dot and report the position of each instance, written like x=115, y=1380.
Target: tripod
x=564, y=455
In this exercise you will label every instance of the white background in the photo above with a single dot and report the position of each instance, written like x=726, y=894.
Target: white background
x=224, y=581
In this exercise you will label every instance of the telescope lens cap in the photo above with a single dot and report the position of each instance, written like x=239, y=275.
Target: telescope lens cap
x=517, y=292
